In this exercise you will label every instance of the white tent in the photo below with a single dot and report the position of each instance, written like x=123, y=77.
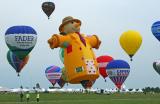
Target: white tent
x=3, y=89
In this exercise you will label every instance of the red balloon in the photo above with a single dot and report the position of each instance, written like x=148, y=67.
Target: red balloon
x=102, y=63
x=87, y=84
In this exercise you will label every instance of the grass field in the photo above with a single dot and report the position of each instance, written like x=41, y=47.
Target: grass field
x=66, y=98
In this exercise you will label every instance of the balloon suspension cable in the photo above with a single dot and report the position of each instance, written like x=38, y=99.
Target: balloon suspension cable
x=19, y=78
x=105, y=80
x=131, y=57
x=18, y=75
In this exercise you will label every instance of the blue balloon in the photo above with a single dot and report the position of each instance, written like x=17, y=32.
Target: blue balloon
x=20, y=30
x=118, y=71
x=21, y=40
x=156, y=29
x=118, y=64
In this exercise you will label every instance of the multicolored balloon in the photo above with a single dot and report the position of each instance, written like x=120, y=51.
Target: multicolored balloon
x=53, y=74
x=156, y=29
x=15, y=62
x=21, y=40
x=130, y=41
x=156, y=66
x=87, y=84
x=48, y=8
x=118, y=71
x=61, y=54
x=64, y=75
x=61, y=82
x=102, y=63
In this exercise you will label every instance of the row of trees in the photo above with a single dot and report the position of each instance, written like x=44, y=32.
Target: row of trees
x=151, y=90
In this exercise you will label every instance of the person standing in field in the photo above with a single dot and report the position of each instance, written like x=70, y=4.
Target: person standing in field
x=21, y=96
x=37, y=97
x=27, y=96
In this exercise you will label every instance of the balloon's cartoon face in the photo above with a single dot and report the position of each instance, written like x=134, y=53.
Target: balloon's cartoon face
x=71, y=27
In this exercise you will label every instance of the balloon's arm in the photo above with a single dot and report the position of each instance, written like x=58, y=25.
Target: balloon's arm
x=57, y=40
x=94, y=41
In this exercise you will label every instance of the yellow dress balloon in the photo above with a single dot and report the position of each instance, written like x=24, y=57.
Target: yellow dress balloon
x=130, y=41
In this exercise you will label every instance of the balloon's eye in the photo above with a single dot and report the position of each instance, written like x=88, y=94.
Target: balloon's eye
x=72, y=22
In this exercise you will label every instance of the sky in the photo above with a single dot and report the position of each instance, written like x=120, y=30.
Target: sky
x=108, y=19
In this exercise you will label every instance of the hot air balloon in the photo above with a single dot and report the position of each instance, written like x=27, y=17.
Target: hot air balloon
x=48, y=8
x=64, y=75
x=15, y=62
x=102, y=63
x=79, y=58
x=87, y=84
x=156, y=66
x=130, y=41
x=21, y=40
x=156, y=29
x=61, y=82
x=118, y=71
x=53, y=74
x=61, y=54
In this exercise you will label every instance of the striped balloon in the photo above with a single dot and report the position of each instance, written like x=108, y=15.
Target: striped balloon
x=118, y=71
x=156, y=29
x=21, y=40
x=53, y=74
x=156, y=66
x=15, y=62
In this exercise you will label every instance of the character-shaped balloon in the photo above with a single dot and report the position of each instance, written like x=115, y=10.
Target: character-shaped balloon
x=79, y=59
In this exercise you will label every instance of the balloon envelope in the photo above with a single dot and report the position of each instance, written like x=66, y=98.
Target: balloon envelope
x=15, y=62
x=118, y=71
x=21, y=40
x=61, y=54
x=48, y=8
x=156, y=29
x=61, y=82
x=87, y=84
x=102, y=63
x=53, y=74
x=156, y=66
x=64, y=75
x=130, y=41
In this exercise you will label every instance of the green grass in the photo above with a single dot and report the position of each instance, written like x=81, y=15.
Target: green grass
x=66, y=98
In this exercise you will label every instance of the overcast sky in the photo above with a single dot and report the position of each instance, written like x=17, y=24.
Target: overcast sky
x=106, y=18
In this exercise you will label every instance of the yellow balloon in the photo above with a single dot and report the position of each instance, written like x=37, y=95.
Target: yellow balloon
x=130, y=41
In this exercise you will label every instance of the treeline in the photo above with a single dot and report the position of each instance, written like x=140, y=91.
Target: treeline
x=151, y=90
